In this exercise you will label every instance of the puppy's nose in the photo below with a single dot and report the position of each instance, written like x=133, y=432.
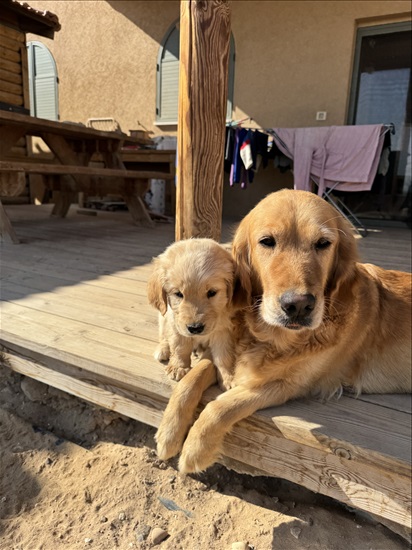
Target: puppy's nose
x=196, y=328
x=297, y=305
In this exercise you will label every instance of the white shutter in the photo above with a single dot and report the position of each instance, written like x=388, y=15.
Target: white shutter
x=43, y=82
x=168, y=78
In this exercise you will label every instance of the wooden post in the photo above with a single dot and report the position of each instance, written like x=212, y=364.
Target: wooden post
x=204, y=57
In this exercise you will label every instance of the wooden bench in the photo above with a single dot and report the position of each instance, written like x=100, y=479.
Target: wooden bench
x=74, y=148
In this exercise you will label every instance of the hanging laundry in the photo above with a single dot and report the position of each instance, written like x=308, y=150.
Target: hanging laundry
x=229, y=148
x=249, y=150
x=261, y=150
x=246, y=151
x=238, y=173
x=345, y=154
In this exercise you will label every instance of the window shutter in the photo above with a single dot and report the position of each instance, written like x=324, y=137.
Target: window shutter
x=169, y=79
x=43, y=82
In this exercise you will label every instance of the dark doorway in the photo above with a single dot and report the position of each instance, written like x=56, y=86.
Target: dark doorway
x=381, y=93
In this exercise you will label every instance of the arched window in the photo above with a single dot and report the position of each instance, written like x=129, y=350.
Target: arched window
x=43, y=82
x=168, y=77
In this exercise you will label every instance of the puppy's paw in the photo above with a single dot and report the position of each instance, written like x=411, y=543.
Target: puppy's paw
x=176, y=372
x=162, y=352
x=200, y=353
x=225, y=381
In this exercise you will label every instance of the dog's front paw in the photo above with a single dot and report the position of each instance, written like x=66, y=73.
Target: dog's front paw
x=162, y=352
x=176, y=372
x=169, y=442
x=196, y=456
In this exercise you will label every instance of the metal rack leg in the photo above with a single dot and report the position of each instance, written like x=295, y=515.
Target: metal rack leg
x=349, y=215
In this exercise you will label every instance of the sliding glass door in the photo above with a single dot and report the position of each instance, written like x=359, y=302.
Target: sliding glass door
x=381, y=93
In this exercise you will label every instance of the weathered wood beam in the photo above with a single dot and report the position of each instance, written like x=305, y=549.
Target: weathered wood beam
x=204, y=57
x=62, y=169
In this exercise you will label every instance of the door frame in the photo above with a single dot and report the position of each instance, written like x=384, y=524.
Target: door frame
x=361, y=33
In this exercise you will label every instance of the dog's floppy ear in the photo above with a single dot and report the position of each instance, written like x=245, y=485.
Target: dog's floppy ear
x=242, y=293
x=155, y=287
x=241, y=297
x=346, y=256
x=237, y=295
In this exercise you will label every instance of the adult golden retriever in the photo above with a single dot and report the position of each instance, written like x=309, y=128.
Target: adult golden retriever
x=192, y=286
x=318, y=321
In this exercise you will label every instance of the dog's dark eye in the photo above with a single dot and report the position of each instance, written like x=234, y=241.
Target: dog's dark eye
x=269, y=242
x=178, y=294
x=211, y=293
x=322, y=244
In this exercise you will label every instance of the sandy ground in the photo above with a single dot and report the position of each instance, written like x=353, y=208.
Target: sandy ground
x=75, y=476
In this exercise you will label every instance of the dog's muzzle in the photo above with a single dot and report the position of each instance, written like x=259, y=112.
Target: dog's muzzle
x=297, y=309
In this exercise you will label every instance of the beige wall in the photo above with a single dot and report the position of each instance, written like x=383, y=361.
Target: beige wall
x=295, y=58
x=292, y=60
x=106, y=55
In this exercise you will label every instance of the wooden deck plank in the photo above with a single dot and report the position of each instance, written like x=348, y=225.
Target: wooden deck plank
x=125, y=321
x=89, y=293
x=75, y=315
x=57, y=275
x=100, y=348
x=364, y=486
x=132, y=404
x=338, y=418
x=401, y=403
x=105, y=262
x=122, y=244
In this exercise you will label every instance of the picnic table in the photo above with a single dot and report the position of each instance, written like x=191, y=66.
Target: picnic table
x=74, y=147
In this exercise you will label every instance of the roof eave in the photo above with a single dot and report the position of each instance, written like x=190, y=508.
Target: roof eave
x=33, y=21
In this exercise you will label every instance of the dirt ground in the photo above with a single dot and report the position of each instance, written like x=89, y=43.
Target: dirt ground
x=76, y=476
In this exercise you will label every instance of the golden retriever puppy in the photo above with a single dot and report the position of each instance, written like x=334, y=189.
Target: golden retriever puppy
x=318, y=321
x=192, y=287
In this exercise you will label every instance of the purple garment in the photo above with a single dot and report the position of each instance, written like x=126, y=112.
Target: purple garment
x=346, y=154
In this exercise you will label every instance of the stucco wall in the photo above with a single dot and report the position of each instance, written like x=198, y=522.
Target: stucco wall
x=106, y=55
x=295, y=58
x=292, y=60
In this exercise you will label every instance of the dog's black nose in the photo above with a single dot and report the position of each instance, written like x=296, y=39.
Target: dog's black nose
x=196, y=328
x=297, y=305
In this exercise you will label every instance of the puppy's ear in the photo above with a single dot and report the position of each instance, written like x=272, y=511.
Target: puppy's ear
x=155, y=287
x=346, y=256
x=242, y=293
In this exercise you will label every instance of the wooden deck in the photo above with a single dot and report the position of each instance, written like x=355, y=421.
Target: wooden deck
x=74, y=315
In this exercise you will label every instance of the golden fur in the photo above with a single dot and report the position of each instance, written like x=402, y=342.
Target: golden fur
x=318, y=321
x=192, y=286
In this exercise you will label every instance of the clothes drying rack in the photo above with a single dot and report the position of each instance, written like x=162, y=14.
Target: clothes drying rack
x=328, y=195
